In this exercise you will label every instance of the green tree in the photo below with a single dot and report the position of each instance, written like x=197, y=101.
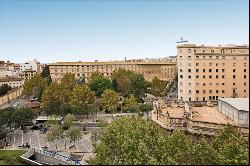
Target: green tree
x=81, y=95
x=68, y=121
x=145, y=108
x=55, y=92
x=130, y=105
x=23, y=116
x=157, y=86
x=68, y=81
x=34, y=86
x=122, y=76
x=99, y=84
x=94, y=76
x=74, y=134
x=6, y=116
x=114, y=85
x=110, y=100
x=129, y=141
x=203, y=154
x=4, y=88
x=137, y=86
x=45, y=72
x=56, y=133
x=231, y=147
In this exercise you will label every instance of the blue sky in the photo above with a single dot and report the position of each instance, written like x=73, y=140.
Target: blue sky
x=85, y=30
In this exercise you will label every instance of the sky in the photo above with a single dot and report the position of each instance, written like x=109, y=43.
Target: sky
x=88, y=30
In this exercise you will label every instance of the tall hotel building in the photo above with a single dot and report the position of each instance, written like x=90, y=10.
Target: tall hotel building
x=209, y=72
x=163, y=70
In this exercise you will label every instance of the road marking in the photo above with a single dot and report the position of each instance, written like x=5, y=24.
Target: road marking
x=22, y=137
x=38, y=141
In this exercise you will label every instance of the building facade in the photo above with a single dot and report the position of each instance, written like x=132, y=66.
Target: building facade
x=236, y=109
x=163, y=70
x=13, y=82
x=209, y=72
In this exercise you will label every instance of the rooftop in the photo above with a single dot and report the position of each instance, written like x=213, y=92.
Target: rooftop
x=213, y=46
x=11, y=79
x=238, y=103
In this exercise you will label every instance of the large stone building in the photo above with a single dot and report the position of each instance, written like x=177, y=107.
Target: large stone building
x=209, y=72
x=163, y=70
x=12, y=81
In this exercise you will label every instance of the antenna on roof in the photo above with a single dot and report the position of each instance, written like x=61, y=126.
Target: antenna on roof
x=182, y=41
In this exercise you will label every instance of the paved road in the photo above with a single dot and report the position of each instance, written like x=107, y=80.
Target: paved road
x=21, y=102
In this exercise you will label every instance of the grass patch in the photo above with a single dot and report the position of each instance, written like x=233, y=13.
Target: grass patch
x=11, y=157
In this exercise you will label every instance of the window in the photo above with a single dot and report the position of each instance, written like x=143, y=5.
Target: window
x=223, y=91
x=180, y=57
x=189, y=64
x=245, y=76
x=204, y=84
x=222, y=83
x=212, y=51
x=189, y=91
x=245, y=83
x=234, y=70
x=197, y=57
x=234, y=64
x=217, y=91
x=217, y=64
x=217, y=70
x=204, y=57
x=217, y=57
x=223, y=57
x=189, y=70
x=210, y=91
x=223, y=76
x=197, y=70
x=197, y=76
x=203, y=51
x=181, y=76
x=244, y=90
x=189, y=76
x=222, y=51
x=204, y=92
x=210, y=64
x=223, y=70
x=204, y=70
x=210, y=57
x=217, y=76
x=245, y=64
x=194, y=51
x=189, y=57
x=197, y=84
x=210, y=84
x=210, y=70
x=189, y=50
x=181, y=70
x=197, y=91
x=223, y=64
x=245, y=70
x=204, y=76
x=197, y=64
x=210, y=76
x=233, y=83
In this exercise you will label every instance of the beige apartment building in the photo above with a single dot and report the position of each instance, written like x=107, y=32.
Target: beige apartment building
x=212, y=72
x=163, y=70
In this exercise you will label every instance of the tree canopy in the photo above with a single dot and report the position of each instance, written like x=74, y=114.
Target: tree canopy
x=136, y=141
x=4, y=89
x=110, y=100
x=99, y=84
x=158, y=86
x=35, y=86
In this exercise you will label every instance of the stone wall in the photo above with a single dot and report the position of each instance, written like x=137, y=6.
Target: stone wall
x=12, y=95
